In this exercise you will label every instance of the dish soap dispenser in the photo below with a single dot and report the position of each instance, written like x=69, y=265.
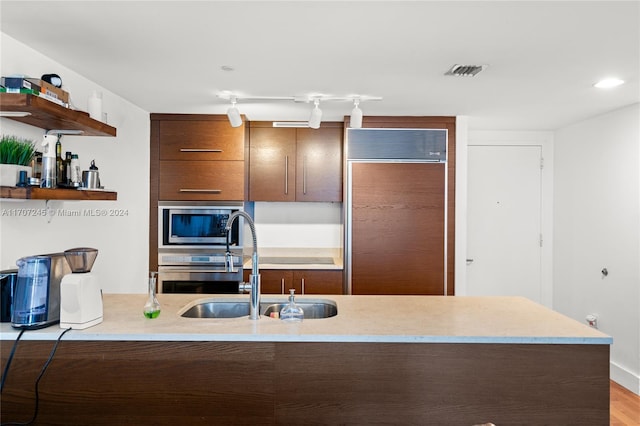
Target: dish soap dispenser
x=292, y=312
x=49, y=171
x=152, y=307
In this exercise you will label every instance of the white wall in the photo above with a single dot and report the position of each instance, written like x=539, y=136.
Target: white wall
x=298, y=225
x=123, y=161
x=597, y=225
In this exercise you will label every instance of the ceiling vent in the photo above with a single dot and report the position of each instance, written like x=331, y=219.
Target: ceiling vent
x=291, y=124
x=465, y=70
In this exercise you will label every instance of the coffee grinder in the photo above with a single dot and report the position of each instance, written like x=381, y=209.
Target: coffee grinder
x=80, y=293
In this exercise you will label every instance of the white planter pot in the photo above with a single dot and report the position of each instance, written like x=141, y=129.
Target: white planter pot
x=9, y=174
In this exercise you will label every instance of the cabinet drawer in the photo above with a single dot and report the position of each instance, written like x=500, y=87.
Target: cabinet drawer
x=304, y=281
x=201, y=140
x=319, y=281
x=201, y=180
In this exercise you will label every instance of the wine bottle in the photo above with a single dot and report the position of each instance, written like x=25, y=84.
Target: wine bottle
x=60, y=174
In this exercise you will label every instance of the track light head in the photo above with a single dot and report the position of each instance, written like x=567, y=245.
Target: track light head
x=233, y=114
x=356, y=115
x=316, y=115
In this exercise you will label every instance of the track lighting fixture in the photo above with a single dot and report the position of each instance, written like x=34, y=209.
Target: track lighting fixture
x=356, y=115
x=316, y=115
x=233, y=114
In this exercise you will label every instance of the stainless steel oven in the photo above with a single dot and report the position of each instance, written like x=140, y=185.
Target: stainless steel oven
x=199, y=273
x=192, y=248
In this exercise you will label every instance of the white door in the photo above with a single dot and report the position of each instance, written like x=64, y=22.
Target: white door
x=504, y=221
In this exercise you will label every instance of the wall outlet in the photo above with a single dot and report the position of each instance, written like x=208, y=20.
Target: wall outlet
x=592, y=320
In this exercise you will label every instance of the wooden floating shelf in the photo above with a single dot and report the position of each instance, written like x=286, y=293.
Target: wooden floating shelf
x=36, y=193
x=51, y=116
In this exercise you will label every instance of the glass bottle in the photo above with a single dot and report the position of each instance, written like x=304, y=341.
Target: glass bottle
x=152, y=307
x=75, y=170
x=60, y=173
x=67, y=167
x=292, y=312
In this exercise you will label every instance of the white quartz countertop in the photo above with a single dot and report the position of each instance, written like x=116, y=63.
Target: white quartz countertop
x=391, y=319
x=297, y=258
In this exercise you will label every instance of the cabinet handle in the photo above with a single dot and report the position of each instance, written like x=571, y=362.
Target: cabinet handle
x=282, y=284
x=302, y=286
x=304, y=175
x=286, y=175
x=199, y=150
x=211, y=191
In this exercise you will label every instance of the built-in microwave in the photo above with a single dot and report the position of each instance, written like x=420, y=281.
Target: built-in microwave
x=197, y=226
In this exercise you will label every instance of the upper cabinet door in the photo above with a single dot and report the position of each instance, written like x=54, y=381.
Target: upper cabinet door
x=295, y=164
x=201, y=140
x=272, y=157
x=319, y=164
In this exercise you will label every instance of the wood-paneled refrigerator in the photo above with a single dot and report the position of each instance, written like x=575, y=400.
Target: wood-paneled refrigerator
x=396, y=211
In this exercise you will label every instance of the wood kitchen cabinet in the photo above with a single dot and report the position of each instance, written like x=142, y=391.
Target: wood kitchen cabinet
x=242, y=382
x=193, y=157
x=304, y=281
x=295, y=164
x=200, y=158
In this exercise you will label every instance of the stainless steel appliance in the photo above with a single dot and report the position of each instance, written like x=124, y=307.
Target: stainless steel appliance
x=8, y=280
x=196, y=225
x=199, y=273
x=192, y=248
x=36, y=302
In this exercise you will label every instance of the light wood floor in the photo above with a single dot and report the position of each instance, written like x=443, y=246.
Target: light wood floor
x=625, y=406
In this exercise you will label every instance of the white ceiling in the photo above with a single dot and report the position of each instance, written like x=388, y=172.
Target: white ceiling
x=166, y=56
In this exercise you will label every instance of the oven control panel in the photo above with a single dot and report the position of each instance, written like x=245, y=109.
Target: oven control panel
x=216, y=259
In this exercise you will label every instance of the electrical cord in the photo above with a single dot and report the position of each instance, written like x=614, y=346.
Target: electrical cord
x=44, y=368
x=6, y=367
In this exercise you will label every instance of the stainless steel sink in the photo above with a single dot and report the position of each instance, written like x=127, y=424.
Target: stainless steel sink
x=312, y=310
x=217, y=309
x=226, y=308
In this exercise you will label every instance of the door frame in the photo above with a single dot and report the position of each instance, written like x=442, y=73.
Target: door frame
x=544, y=140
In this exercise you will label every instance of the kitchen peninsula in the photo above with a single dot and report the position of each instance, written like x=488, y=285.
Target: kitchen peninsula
x=393, y=360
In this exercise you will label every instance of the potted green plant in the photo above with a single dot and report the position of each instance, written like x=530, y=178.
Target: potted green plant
x=16, y=154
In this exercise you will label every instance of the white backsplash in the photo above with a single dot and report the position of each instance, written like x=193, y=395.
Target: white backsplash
x=302, y=225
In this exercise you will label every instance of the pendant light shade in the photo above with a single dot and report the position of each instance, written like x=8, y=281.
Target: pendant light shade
x=316, y=115
x=356, y=115
x=234, y=115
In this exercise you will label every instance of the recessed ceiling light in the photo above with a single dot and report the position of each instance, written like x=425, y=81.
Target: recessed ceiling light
x=608, y=83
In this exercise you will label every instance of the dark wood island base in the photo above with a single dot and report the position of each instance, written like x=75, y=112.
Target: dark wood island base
x=267, y=383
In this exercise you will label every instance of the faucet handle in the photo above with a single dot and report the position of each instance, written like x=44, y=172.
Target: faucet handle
x=228, y=262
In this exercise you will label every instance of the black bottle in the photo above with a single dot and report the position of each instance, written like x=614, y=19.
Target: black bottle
x=60, y=174
x=67, y=167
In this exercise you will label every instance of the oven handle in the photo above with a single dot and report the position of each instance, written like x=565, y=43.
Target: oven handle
x=188, y=269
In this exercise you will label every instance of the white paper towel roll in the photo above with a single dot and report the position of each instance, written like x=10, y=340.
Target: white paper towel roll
x=95, y=105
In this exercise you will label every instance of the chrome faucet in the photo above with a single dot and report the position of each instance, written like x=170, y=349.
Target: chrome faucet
x=254, y=278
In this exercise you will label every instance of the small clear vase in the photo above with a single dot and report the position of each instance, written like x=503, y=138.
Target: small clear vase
x=152, y=307
x=291, y=312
